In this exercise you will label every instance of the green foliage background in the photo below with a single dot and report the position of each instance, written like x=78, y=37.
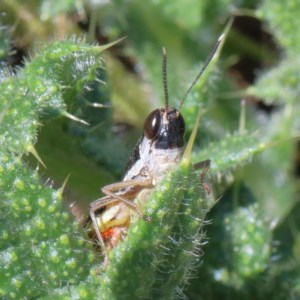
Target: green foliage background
x=250, y=249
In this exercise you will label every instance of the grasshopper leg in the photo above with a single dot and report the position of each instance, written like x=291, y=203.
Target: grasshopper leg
x=111, y=196
x=204, y=165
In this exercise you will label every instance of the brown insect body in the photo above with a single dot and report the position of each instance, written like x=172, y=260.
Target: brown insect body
x=159, y=150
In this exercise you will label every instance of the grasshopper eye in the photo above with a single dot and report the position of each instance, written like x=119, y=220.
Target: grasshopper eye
x=152, y=124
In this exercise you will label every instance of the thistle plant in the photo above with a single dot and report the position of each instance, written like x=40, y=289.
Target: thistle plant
x=61, y=111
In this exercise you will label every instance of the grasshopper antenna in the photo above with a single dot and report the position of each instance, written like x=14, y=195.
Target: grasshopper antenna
x=206, y=63
x=164, y=75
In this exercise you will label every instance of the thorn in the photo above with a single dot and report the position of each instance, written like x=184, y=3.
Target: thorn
x=74, y=118
x=62, y=188
x=242, y=125
x=109, y=45
x=100, y=81
x=221, y=37
x=32, y=150
x=98, y=105
x=204, y=165
x=186, y=159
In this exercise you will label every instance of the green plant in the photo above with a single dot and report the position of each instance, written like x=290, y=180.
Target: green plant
x=253, y=247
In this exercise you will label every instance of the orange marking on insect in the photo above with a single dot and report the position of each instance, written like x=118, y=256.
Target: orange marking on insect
x=108, y=233
x=113, y=235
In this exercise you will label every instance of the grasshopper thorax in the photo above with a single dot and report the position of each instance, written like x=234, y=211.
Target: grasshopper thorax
x=165, y=128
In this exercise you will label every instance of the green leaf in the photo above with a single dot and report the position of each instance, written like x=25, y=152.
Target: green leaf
x=232, y=151
x=164, y=249
x=43, y=87
x=41, y=244
x=282, y=19
x=240, y=245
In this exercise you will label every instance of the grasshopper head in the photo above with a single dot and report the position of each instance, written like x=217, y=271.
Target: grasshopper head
x=165, y=128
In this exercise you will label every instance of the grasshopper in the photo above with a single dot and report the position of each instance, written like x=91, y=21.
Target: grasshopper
x=158, y=151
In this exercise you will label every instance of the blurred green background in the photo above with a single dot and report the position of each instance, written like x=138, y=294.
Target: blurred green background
x=250, y=105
